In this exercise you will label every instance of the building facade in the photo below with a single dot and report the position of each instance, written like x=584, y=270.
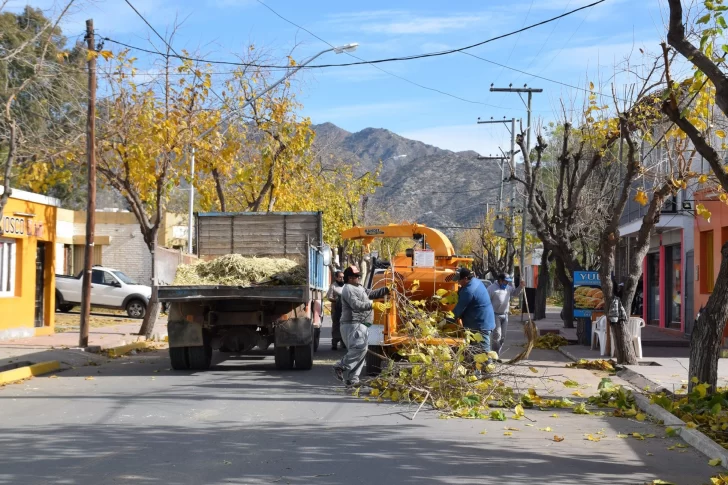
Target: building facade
x=27, y=265
x=118, y=242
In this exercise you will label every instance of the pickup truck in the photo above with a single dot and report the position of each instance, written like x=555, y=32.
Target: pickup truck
x=239, y=319
x=110, y=288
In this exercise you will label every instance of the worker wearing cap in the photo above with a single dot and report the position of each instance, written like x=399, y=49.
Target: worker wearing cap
x=500, y=296
x=357, y=316
x=474, y=307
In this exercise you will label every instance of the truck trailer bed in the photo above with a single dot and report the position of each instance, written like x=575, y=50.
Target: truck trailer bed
x=219, y=292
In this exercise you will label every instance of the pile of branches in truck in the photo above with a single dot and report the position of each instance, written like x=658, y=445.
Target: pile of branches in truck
x=237, y=270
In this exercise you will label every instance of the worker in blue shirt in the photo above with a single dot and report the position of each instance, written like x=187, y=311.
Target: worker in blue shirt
x=474, y=307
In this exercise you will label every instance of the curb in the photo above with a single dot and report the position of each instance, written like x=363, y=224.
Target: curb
x=693, y=437
x=125, y=349
x=567, y=354
x=28, y=371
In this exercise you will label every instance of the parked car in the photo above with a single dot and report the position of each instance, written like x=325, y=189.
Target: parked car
x=110, y=288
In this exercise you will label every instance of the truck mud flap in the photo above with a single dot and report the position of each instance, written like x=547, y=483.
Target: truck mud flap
x=184, y=334
x=296, y=331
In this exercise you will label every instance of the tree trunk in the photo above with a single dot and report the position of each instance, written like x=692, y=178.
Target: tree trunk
x=219, y=190
x=707, y=335
x=566, y=284
x=152, y=313
x=622, y=344
x=542, y=287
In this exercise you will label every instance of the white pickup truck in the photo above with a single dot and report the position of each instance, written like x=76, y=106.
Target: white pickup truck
x=110, y=288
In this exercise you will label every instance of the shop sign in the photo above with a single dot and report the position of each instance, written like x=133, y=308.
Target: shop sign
x=588, y=295
x=21, y=227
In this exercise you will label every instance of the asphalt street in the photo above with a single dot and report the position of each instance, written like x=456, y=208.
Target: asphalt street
x=134, y=420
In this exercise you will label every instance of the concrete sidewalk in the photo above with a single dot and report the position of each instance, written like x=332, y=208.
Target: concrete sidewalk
x=61, y=346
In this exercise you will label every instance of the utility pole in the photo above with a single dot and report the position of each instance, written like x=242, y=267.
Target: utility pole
x=91, y=205
x=501, y=159
x=529, y=91
x=192, y=202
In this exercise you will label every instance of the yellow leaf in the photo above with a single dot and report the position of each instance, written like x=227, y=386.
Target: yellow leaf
x=510, y=428
x=53, y=377
x=640, y=417
x=620, y=435
x=91, y=54
x=641, y=197
x=547, y=429
x=577, y=394
x=533, y=369
x=702, y=179
x=703, y=212
x=441, y=292
x=374, y=392
x=554, y=415
x=107, y=55
x=507, y=433
x=518, y=410
x=89, y=378
x=558, y=439
x=493, y=355
x=416, y=283
x=591, y=437
x=720, y=134
x=714, y=462
x=484, y=432
x=591, y=85
x=480, y=358
x=691, y=425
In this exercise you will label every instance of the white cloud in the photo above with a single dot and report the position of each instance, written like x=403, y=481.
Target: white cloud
x=461, y=138
x=402, y=22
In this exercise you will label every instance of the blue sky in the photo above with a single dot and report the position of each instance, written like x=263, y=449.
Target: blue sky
x=583, y=46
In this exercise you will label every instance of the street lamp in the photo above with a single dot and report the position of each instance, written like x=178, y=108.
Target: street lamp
x=351, y=47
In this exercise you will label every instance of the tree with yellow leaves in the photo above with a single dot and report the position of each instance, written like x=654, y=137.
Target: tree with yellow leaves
x=144, y=134
x=690, y=106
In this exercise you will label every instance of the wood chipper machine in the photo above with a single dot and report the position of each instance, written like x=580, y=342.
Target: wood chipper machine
x=419, y=272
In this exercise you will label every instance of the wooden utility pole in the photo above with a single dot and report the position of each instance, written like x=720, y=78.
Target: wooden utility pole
x=91, y=206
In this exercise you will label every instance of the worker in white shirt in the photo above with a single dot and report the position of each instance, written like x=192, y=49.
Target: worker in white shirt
x=500, y=296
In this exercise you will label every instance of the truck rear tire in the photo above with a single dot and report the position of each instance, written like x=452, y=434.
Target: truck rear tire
x=284, y=358
x=304, y=356
x=374, y=362
x=199, y=357
x=316, y=338
x=178, y=358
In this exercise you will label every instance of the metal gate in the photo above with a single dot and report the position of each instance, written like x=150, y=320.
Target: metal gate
x=689, y=289
x=40, y=285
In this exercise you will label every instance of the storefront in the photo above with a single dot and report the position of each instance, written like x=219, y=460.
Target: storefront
x=27, y=265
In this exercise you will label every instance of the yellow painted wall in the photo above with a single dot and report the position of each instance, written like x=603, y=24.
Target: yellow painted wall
x=18, y=312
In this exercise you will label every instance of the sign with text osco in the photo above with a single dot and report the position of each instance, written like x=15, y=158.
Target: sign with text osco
x=588, y=295
x=19, y=226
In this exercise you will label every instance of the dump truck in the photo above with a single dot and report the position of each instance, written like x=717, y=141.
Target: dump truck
x=239, y=319
x=420, y=271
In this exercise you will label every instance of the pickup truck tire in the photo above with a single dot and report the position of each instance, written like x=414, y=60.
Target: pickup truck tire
x=304, y=356
x=284, y=358
x=316, y=338
x=65, y=307
x=199, y=357
x=178, y=358
x=374, y=362
x=136, y=308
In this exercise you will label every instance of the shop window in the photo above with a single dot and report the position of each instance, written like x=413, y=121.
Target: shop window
x=707, y=268
x=7, y=267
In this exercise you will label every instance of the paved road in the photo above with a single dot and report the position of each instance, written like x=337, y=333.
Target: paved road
x=244, y=422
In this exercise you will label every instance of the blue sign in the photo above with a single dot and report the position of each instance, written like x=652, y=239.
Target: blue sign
x=588, y=295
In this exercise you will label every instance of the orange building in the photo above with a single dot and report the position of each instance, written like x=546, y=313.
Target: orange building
x=27, y=265
x=710, y=236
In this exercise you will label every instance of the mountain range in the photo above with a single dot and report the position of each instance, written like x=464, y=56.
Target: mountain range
x=420, y=183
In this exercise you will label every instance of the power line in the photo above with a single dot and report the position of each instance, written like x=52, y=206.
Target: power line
x=414, y=83
x=361, y=62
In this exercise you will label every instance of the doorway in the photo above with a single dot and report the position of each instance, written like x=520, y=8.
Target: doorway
x=40, y=255
x=652, y=293
x=689, y=281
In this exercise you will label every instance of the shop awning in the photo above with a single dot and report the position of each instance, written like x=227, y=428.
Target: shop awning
x=667, y=222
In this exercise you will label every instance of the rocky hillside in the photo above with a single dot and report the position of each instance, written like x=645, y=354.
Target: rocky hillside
x=421, y=182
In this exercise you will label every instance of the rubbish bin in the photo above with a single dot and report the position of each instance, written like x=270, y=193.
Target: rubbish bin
x=585, y=335
x=530, y=294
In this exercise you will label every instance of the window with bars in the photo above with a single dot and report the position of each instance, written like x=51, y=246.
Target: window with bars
x=7, y=267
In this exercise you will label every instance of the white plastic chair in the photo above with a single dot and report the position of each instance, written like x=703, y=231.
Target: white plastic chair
x=634, y=330
x=599, y=335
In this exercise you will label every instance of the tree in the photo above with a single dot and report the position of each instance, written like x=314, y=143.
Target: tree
x=144, y=132
x=492, y=253
x=39, y=91
x=688, y=105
